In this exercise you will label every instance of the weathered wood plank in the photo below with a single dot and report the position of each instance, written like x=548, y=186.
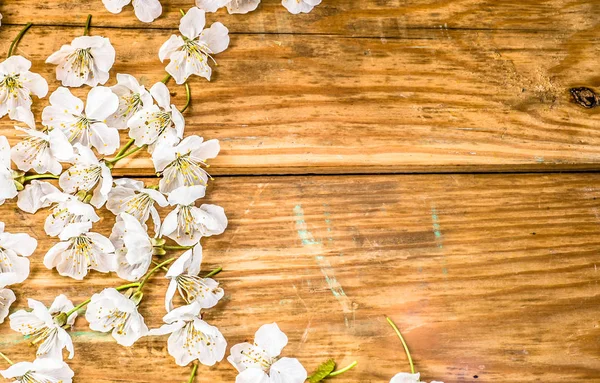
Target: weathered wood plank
x=487, y=275
x=429, y=101
x=387, y=18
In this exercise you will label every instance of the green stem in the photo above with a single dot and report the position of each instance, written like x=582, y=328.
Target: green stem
x=177, y=247
x=86, y=31
x=40, y=176
x=17, y=39
x=158, y=263
x=113, y=161
x=188, y=94
x=348, y=367
x=151, y=272
x=182, y=12
x=166, y=79
x=193, y=375
x=125, y=147
x=6, y=358
x=412, y=367
x=84, y=303
x=214, y=272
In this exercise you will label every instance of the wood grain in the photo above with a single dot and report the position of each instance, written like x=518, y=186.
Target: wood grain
x=427, y=101
x=491, y=276
x=375, y=18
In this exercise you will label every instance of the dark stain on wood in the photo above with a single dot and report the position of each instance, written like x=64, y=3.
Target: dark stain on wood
x=585, y=97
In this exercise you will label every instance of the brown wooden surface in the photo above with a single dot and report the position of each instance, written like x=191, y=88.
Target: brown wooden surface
x=485, y=277
x=491, y=276
x=426, y=100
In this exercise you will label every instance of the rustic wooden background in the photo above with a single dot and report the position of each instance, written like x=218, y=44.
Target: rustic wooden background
x=420, y=159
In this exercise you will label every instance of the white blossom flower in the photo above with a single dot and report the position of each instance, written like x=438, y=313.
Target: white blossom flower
x=14, y=248
x=17, y=84
x=8, y=188
x=404, y=377
x=184, y=277
x=181, y=165
x=233, y=6
x=68, y=210
x=7, y=298
x=44, y=327
x=300, y=6
x=87, y=60
x=33, y=197
x=191, y=53
x=129, y=196
x=133, y=97
x=259, y=362
x=42, y=151
x=80, y=251
x=160, y=124
x=134, y=248
x=86, y=127
x=112, y=311
x=145, y=10
x=186, y=224
x=40, y=371
x=192, y=338
x=89, y=175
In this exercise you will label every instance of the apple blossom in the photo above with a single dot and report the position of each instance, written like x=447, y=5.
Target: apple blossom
x=133, y=97
x=8, y=188
x=40, y=371
x=14, y=250
x=87, y=60
x=44, y=326
x=42, y=151
x=68, y=210
x=190, y=54
x=88, y=174
x=233, y=6
x=84, y=126
x=113, y=311
x=134, y=248
x=192, y=338
x=7, y=298
x=33, y=197
x=181, y=165
x=145, y=10
x=186, y=224
x=184, y=277
x=300, y=6
x=80, y=251
x=17, y=84
x=260, y=363
x=129, y=196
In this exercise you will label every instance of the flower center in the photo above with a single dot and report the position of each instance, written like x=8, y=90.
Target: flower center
x=133, y=103
x=12, y=83
x=257, y=356
x=82, y=62
x=88, y=177
x=138, y=205
x=191, y=287
x=197, y=50
x=190, y=169
x=185, y=222
x=118, y=320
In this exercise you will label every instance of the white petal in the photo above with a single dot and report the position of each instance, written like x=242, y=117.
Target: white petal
x=147, y=10
x=106, y=140
x=7, y=298
x=101, y=103
x=192, y=24
x=216, y=38
x=31, y=198
x=115, y=6
x=186, y=195
x=287, y=370
x=242, y=6
x=169, y=47
x=271, y=339
x=211, y=5
x=21, y=243
x=161, y=94
x=404, y=377
x=252, y=375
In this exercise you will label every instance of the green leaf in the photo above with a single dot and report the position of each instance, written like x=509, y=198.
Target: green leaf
x=322, y=371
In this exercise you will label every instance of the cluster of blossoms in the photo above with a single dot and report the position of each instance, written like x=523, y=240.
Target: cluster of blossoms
x=77, y=135
x=149, y=10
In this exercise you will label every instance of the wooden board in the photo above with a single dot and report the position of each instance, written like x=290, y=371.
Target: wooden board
x=427, y=101
x=491, y=276
x=345, y=17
